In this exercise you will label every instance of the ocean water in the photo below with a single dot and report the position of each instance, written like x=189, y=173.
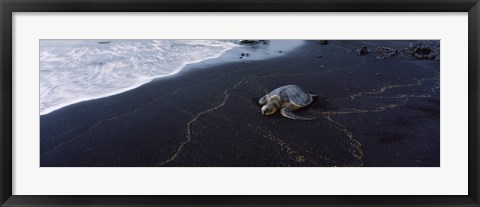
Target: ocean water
x=72, y=71
x=76, y=70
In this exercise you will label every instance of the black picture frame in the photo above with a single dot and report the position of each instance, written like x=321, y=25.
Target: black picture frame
x=7, y=8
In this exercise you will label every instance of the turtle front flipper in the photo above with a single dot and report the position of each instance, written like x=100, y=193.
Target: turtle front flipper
x=287, y=111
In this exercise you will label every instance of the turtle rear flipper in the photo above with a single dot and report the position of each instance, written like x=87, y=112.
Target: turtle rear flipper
x=288, y=112
x=314, y=96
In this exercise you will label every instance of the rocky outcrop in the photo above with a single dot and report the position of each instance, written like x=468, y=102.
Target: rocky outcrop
x=323, y=42
x=362, y=50
x=386, y=52
x=253, y=42
x=429, y=50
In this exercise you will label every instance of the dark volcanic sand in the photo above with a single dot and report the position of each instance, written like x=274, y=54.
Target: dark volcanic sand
x=370, y=112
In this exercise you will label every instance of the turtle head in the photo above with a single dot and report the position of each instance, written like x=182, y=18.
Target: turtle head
x=269, y=109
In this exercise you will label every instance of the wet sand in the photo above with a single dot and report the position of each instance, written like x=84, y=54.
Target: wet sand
x=370, y=112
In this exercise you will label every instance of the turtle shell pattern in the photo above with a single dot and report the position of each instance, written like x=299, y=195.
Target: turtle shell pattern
x=292, y=94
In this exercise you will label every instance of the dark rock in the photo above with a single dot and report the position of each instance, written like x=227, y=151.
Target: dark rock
x=254, y=42
x=248, y=42
x=104, y=42
x=386, y=52
x=280, y=51
x=323, y=42
x=362, y=50
x=319, y=56
x=423, y=50
x=243, y=54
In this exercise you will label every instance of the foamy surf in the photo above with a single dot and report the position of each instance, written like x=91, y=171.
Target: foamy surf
x=73, y=71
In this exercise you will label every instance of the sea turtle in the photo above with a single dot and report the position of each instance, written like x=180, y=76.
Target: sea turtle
x=288, y=99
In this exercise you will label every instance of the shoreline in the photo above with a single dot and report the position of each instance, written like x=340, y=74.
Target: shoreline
x=228, y=56
x=208, y=116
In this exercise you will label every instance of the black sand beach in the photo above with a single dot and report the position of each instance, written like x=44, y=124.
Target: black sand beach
x=371, y=112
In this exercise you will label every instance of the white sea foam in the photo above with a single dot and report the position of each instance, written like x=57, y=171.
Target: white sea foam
x=72, y=71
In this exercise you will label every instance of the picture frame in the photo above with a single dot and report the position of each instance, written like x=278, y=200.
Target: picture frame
x=6, y=139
